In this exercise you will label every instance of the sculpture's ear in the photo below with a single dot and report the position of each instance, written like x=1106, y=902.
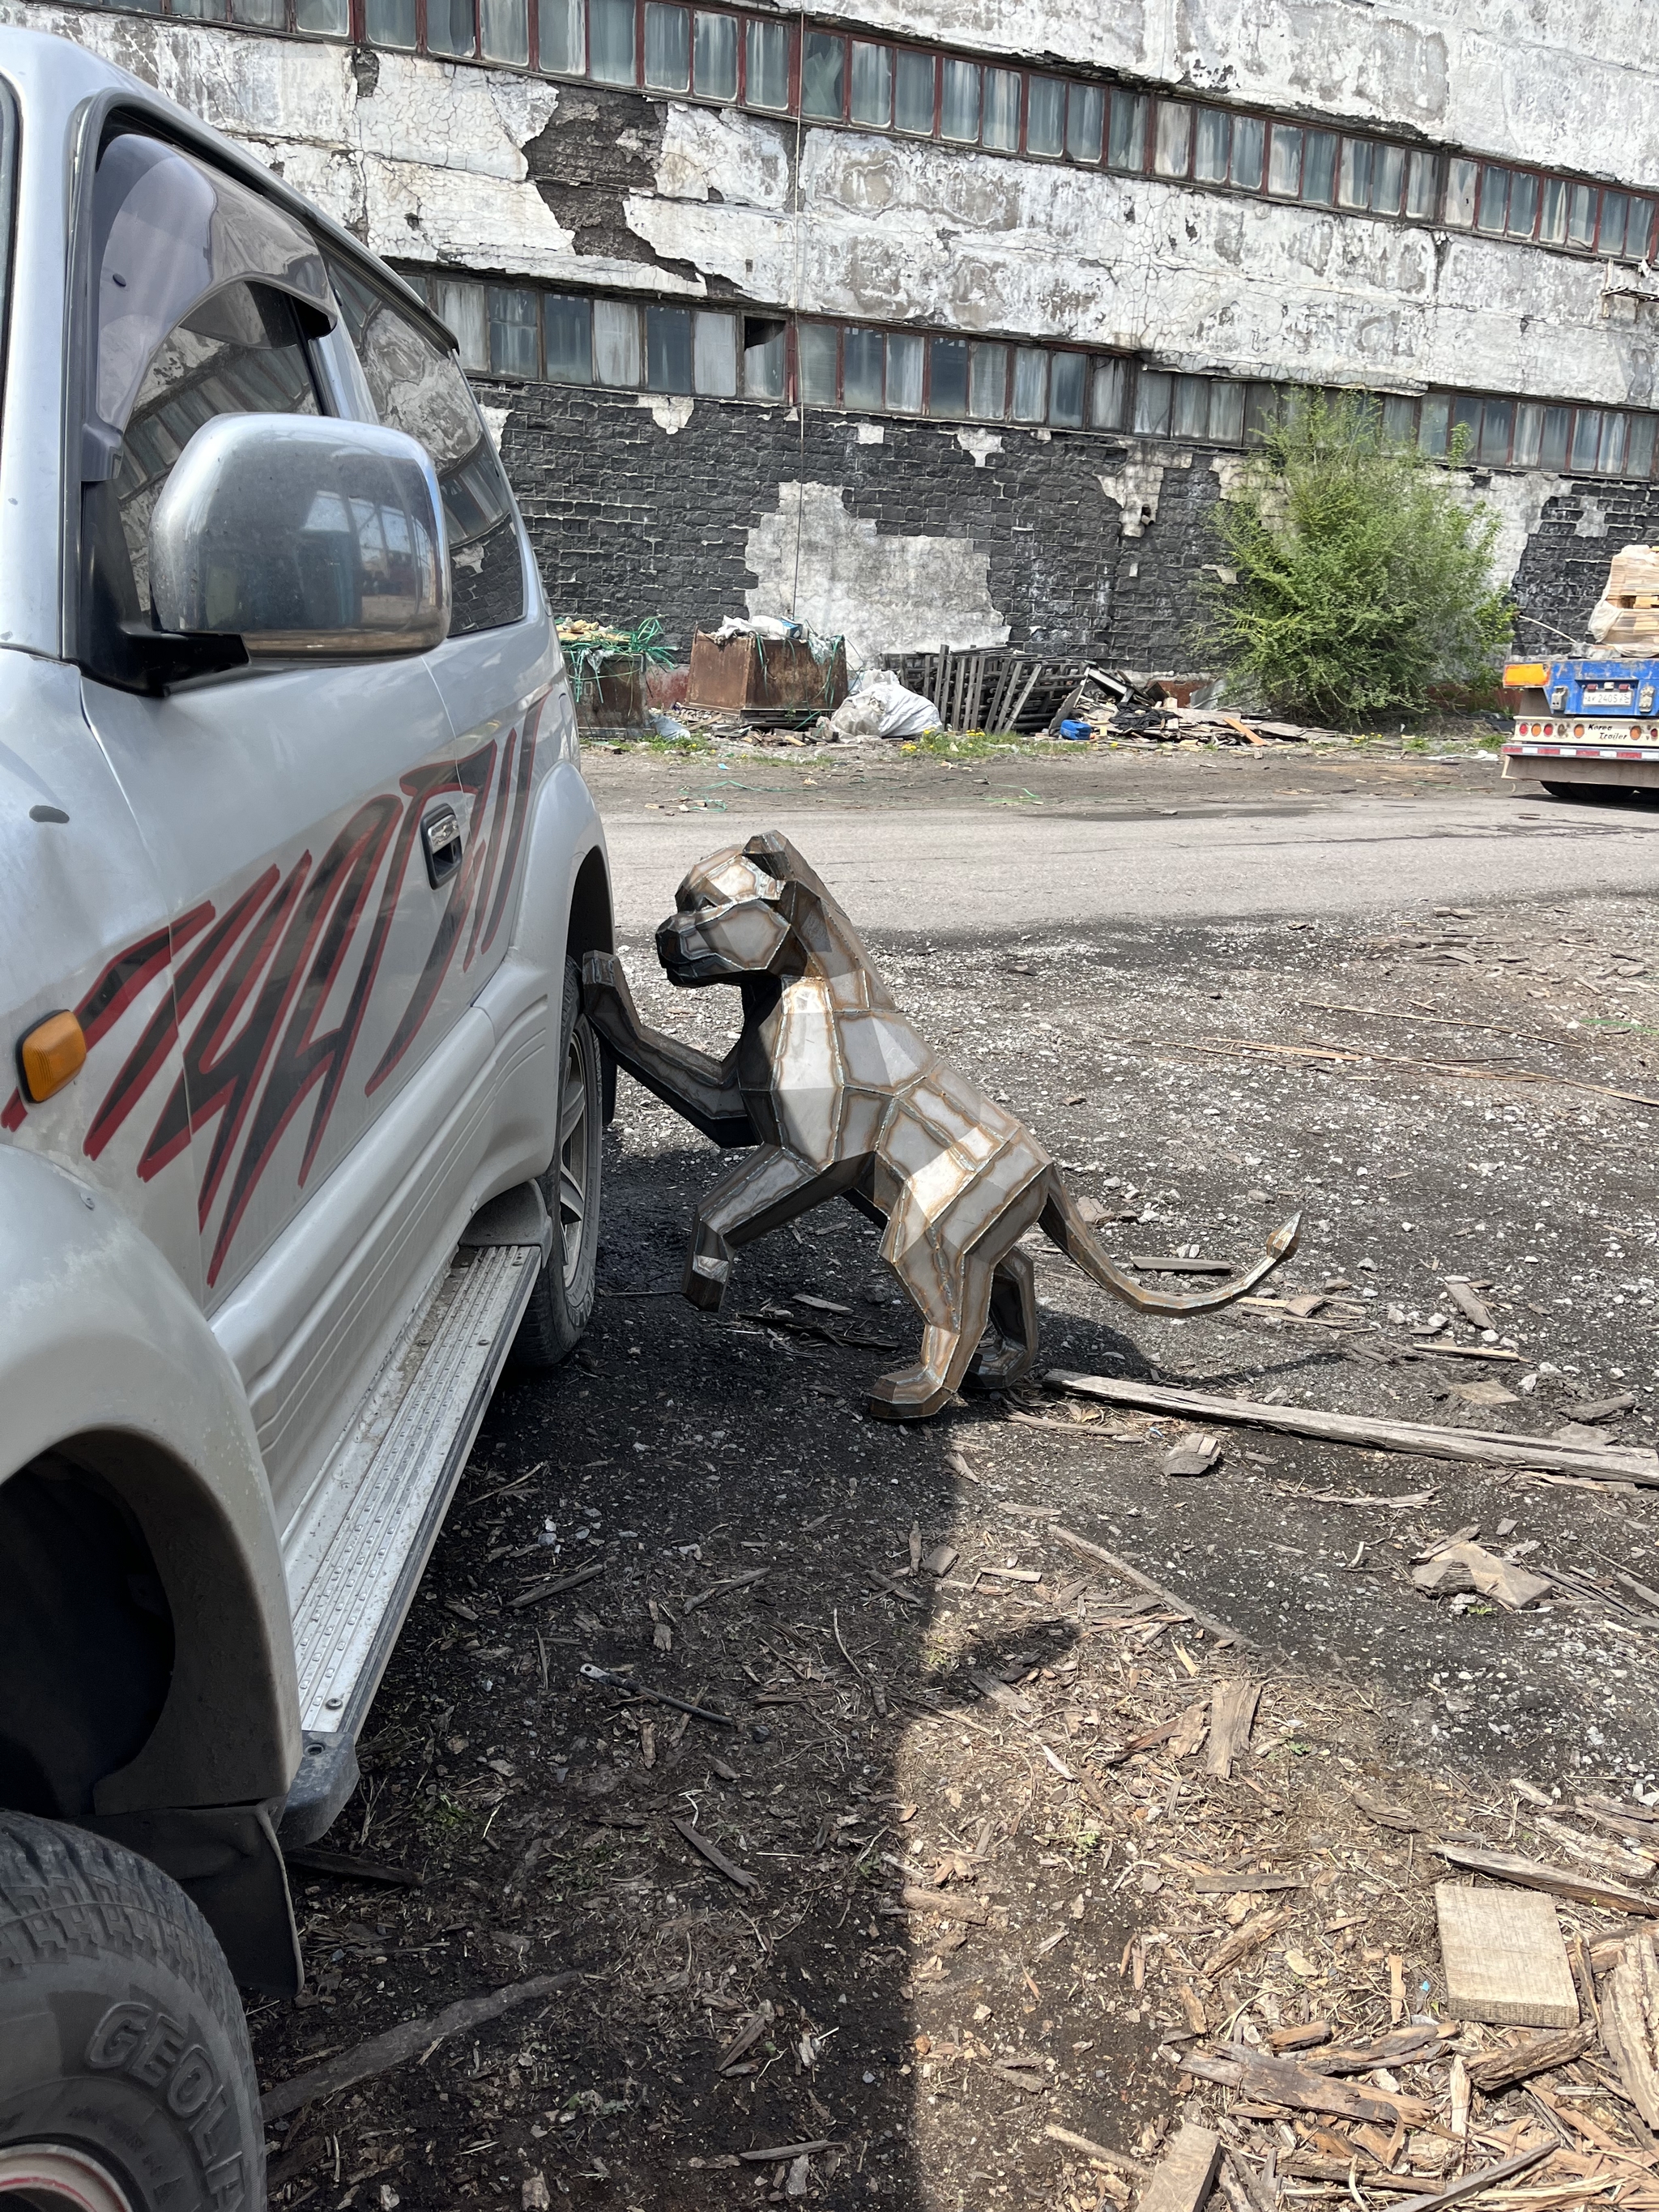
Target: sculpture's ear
x=774, y=853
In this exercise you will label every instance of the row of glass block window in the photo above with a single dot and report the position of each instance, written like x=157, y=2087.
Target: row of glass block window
x=563, y=337
x=767, y=62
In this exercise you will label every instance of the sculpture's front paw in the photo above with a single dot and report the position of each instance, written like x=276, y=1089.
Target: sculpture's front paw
x=706, y=1277
x=600, y=973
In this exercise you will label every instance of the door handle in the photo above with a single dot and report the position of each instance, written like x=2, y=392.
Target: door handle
x=441, y=835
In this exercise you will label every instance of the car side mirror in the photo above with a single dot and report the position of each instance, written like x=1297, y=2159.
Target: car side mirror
x=303, y=535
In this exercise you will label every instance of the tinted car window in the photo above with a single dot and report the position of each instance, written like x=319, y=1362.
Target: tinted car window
x=418, y=386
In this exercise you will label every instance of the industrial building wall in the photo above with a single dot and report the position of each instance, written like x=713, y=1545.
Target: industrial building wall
x=1163, y=301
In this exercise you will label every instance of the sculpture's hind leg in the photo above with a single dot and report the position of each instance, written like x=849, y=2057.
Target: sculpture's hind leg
x=1009, y=1345
x=953, y=1289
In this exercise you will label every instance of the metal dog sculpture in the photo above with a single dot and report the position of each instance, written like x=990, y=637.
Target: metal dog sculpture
x=843, y=1099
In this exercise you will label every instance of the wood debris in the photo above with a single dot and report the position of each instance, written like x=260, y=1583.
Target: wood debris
x=1630, y=2024
x=1558, y=1881
x=1503, y=1957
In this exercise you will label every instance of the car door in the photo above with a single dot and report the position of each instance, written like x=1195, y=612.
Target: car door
x=300, y=818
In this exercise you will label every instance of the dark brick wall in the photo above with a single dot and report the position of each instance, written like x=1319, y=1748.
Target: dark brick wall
x=627, y=520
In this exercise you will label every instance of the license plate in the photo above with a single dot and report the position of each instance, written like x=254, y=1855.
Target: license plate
x=1608, y=695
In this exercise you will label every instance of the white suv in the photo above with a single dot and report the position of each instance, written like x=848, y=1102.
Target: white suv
x=302, y=1140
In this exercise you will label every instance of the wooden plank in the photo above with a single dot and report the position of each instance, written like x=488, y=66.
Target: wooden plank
x=1630, y=2024
x=1420, y=1438
x=1184, y=2176
x=1282, y=2082
x=1232, y=1710
x=1503, y=1957
x=1519, y=2062
x=1557, y=1881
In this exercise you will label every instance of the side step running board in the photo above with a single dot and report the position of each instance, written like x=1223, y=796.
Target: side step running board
x=356, y=1559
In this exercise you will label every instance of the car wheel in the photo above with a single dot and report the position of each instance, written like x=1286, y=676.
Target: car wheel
x=562, y=1302
x=126, y=2082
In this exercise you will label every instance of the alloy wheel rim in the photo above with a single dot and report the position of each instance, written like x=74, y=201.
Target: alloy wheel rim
x=572, y=1184
x=58, y=2179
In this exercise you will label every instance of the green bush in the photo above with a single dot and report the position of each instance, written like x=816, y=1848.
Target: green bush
x=1355, y=580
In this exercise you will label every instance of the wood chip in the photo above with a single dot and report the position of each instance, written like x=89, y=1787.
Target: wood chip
x=1232, y=1711
x=1503, y=1957
x=1191, y=1729
x=1216, y=1628
x=1183, y=2176
x=1282, y=2082
x=1471, y=2185
x=1630, y=2024
x=948, y=1904
x=715, y=1857
x=555, y=1585
x=785, y=2154
x=1250, y=1937
x=1518, y=2062
x=1558, y=1881
x=1472, y=1308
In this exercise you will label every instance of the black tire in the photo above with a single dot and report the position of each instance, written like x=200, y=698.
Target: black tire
x=123, y=2049
x=562, y=1304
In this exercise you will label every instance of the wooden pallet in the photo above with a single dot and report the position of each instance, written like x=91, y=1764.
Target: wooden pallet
x=993, y=687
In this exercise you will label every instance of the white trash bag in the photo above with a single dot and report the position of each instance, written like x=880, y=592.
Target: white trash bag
x=878, y=706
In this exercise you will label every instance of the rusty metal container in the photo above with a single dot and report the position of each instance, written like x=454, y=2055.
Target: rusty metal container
x=765, y=679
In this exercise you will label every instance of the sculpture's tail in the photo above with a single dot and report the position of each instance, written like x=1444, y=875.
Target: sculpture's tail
x=1064, y=1225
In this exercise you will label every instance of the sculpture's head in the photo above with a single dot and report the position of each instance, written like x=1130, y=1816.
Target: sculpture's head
x=727, y=922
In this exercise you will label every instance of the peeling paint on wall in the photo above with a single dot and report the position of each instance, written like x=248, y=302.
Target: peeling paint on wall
x=1135, y=487
x=668, y=414
x=979, y=443
x=1518, y=502
x=884, y=594
x=722, y=154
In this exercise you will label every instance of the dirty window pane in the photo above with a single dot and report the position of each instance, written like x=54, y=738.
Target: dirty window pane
x=610, y=41
x=1492, y=210
x=1126, y=136
x=1523, y=204
x=1001, y=110
x=331, y=17
x=267, y=14
x=1640, y=226
x=513, y=349
x=1639, y=460
x=714, y=56
x=1319, y=168
x=667, y=48
x=668, y=348
x=1615, y=430
x=768, y=65
x=1614, y=207
x=762, y=358
x=1496, y=421
x=947, y=379
x=1529, y=436
x=1461, y=180
x=1210, y=144
x=1359, y=158
x=1067, y=374
x=1227, y=411
x=1422, y=187
x=913, y=93
x=823, y=77
x=567, y=330
x=960, y=108
x=714, y=357
x=1045, y=115
x=1553, y=224
x=506, y=26
x=449, y=27
x=204, y=11
x=861, y=368
x=1174, y=138
x=1399, y=420
x=1557, y=428
x=1030, y=384
x=987, y=382
x=1466, y=419
x=1388, y=179
x=1285, y=161
x=1249, y=147
x=462, y=308
x=1433, y=422
x=815, y=349
x=390, y=22
x=873, y=84
x=1107, y=398
x=561, y=33
x=1261, y=410
x=1189, y=417
x=617, y=342
x=904, y=360
x=1581, y=216
x=1085, y=119
x=1152, y=390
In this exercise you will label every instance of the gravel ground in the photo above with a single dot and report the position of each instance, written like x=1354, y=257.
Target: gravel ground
x=1436, y=1089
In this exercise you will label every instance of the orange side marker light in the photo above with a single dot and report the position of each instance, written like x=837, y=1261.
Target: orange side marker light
x=53, y=1053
